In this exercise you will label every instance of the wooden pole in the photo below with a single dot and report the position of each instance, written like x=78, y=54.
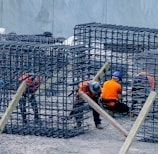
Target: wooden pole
x=103, y=113
x=138, y=122
x=101, y=72
x=12, y=106
x=47, y=84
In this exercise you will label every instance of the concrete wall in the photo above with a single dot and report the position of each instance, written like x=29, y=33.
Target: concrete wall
x=60, y=16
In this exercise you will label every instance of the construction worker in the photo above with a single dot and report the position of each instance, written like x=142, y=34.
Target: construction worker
x=32, y=83
x=143, y=78
x=93, y=90
x=141, y=85
x=111, y=97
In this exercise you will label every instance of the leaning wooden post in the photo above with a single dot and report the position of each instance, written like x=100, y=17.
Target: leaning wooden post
x=138, y=122
x=103, y=113
x=101, y=72
x=12, y=106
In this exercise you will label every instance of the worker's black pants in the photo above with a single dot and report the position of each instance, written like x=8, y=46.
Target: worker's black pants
x=33, y=102
x=118, y=107
x=121, y=107
x=78, y=112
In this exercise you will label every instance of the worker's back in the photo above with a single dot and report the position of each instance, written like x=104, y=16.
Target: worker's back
x=32, y=82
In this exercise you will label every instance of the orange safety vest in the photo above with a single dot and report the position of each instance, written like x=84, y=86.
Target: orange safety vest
x=150, y=78
x=31, y=82
x=84, y=87
x=110, y=91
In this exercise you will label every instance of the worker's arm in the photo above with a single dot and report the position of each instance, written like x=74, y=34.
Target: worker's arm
x=120, y=94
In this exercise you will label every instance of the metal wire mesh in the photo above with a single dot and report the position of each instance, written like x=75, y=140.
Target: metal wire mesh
x=129, y=50
x=41, y=38
x=62, y=68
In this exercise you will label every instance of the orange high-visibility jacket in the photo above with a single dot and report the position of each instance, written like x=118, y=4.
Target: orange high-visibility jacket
x=150, y=78
x=84, y=87
x=110, y=91
x=31, y=82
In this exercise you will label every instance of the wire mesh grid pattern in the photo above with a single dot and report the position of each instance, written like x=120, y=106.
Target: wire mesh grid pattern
x=129, y=50
x=61, y=68
x=40, y=38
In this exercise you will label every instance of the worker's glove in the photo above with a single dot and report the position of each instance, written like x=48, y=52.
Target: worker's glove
x=121, y=99
x=100, y=102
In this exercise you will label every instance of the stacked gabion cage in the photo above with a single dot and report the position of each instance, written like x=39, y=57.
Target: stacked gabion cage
x=129, y=50
x=62, y=68
x=41, y=38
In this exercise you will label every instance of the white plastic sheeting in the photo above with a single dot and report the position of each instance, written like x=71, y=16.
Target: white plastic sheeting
x=2, y=30
x=69, y=41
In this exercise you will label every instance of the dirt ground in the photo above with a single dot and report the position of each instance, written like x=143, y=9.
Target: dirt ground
x=106, y=141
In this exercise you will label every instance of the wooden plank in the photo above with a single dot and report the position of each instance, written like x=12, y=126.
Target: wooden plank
x=101, y=72
x=12, y=106
x=47, y=84
x=103, y=113
x=145, y=109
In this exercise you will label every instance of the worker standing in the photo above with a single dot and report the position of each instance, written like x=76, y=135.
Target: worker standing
x=142, y=84
x=32, y=83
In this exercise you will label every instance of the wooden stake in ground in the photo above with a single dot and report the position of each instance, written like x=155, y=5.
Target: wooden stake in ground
x=138, y=122
x=12, y=105
x=103, y=113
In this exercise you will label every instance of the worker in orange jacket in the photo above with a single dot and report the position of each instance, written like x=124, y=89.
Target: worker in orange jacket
x=112, y=94
x=32, y=83
x=93, y=90
x=141, y=82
